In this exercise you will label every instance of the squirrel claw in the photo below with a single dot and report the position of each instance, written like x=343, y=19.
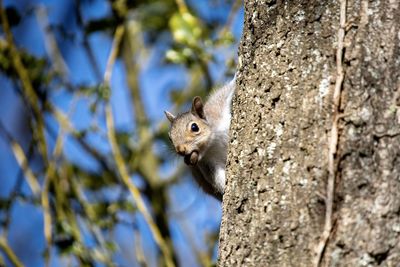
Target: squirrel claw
x=192, y=158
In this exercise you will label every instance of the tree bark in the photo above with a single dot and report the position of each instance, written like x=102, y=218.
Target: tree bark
x=304, y=141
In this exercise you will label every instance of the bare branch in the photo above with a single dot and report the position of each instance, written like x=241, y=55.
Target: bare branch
x=334, y=137
x=22, y=160
x=9, y=252
x=121, y=167
x=27, y=86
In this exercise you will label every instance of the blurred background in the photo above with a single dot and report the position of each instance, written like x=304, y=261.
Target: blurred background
x=87, y=175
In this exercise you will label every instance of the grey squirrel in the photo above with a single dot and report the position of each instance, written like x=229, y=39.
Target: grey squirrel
x=201, y=137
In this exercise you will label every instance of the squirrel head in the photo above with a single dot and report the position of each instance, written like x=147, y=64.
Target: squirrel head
x=190, y=133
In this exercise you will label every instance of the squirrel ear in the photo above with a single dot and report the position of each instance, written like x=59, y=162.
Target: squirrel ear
x=169, y=116
x=197, y=107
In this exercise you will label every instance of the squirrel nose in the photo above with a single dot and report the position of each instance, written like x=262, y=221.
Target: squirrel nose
x=181, y=150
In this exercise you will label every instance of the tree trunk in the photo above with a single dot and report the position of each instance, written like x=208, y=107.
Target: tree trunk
x=313, y=171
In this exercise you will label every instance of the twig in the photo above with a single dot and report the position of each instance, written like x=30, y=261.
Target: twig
x=2, y=263
x=86, y=44
x=27, y=86
x=121, y=167
x=140, y=257
x=334, y=137
x=62, y=119
x=144, y=161
x=65, y=127
x=22, y=160
x=119, y=32
x=182, y=7
x=16, y=191
x=9, y=252
x=202, y=258
x=91, y=216
x=50, y=172
x=51, y=45
x=235, y=7
x=133, y=189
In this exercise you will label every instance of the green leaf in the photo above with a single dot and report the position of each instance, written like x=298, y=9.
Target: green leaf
x=175, y=56
x=186, y=29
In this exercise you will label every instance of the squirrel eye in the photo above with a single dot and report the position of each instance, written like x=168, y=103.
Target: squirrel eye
x=194, y=127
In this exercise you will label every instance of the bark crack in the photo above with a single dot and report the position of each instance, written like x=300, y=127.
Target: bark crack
x=334, y=137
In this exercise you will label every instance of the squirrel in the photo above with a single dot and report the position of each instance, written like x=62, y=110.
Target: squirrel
x=201, y=136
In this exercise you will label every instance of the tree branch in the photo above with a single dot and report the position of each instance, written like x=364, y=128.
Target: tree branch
x=26, y=82
x=121, y=167
x=334, y=137
x=9, y=252
x=22, y=160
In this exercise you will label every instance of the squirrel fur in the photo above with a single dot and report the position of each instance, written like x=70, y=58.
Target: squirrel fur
x=201, y=136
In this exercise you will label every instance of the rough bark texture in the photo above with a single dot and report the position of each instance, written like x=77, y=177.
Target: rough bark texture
x=277, y=169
